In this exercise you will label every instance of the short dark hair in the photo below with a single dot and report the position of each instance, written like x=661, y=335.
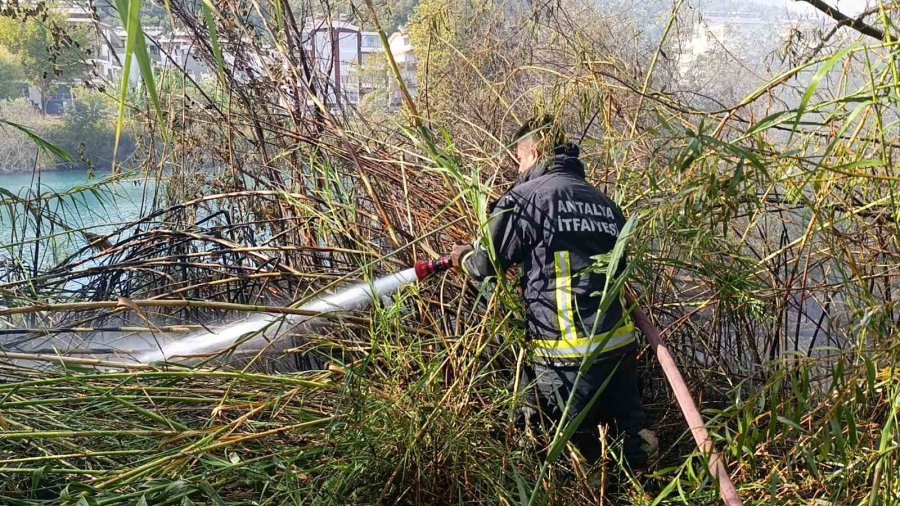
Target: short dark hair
x=544, y=130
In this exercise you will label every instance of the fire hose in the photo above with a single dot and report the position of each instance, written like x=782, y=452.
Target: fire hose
x=727, y=491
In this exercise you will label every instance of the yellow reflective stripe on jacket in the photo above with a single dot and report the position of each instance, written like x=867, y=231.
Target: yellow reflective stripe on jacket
x=565, y=314
x=569, y=345
x=579, y=347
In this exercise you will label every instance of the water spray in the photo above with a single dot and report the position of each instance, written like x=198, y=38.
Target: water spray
x=250, y=335
x=262, y=330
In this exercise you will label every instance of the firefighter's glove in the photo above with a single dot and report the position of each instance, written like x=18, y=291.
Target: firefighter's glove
x=458, y=253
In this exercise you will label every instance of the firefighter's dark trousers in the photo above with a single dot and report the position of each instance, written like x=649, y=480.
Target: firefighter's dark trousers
x=618, y=406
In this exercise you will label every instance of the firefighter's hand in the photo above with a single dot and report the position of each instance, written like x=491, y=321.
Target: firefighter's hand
x=458, y=252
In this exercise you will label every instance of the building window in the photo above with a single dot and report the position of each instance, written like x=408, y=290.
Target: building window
x=371, y=42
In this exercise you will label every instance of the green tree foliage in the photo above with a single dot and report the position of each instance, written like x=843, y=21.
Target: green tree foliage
x=433, y=29
x=396, y=13
x=377, y=82
x=87, y=132
x=49, y=52
x=17, y=151
x=12, y=77
x=464, y=50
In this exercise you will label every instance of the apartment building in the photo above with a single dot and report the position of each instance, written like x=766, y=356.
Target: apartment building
x=337, y=48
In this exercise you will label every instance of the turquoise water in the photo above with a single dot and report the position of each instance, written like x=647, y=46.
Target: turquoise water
x=102, y=199
x=54, y=208
x=55, y=180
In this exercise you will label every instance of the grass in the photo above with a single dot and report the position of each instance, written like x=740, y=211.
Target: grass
x=750, y=218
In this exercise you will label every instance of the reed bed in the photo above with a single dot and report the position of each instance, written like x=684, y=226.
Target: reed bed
x=767, y=251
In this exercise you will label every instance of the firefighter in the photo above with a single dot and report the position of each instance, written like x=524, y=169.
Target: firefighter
x=553, y=222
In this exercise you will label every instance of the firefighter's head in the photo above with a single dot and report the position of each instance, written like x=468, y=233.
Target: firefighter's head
x=536, y=138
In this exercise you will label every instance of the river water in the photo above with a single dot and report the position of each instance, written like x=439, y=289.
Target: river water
x=100, y=202
x=58, y=207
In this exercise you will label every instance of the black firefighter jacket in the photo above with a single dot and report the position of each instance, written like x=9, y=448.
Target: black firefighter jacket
x=552, y=222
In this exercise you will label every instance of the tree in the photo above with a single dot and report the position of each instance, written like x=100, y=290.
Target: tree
x=49, y=53
x=396, y=13
x=87, y=132
x=17, y=150
x=433, y=28
x=12, y=76
x=378, y=85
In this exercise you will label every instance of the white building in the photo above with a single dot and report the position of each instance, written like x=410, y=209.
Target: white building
x=336, y=50
x=176, y=50
x=402, y=49
x=107, y=49
x=339, y=49
x=713, y=30
x=717, y=30
x=167, y=50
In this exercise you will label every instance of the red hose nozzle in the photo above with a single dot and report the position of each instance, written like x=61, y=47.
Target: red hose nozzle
x=425, y=268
